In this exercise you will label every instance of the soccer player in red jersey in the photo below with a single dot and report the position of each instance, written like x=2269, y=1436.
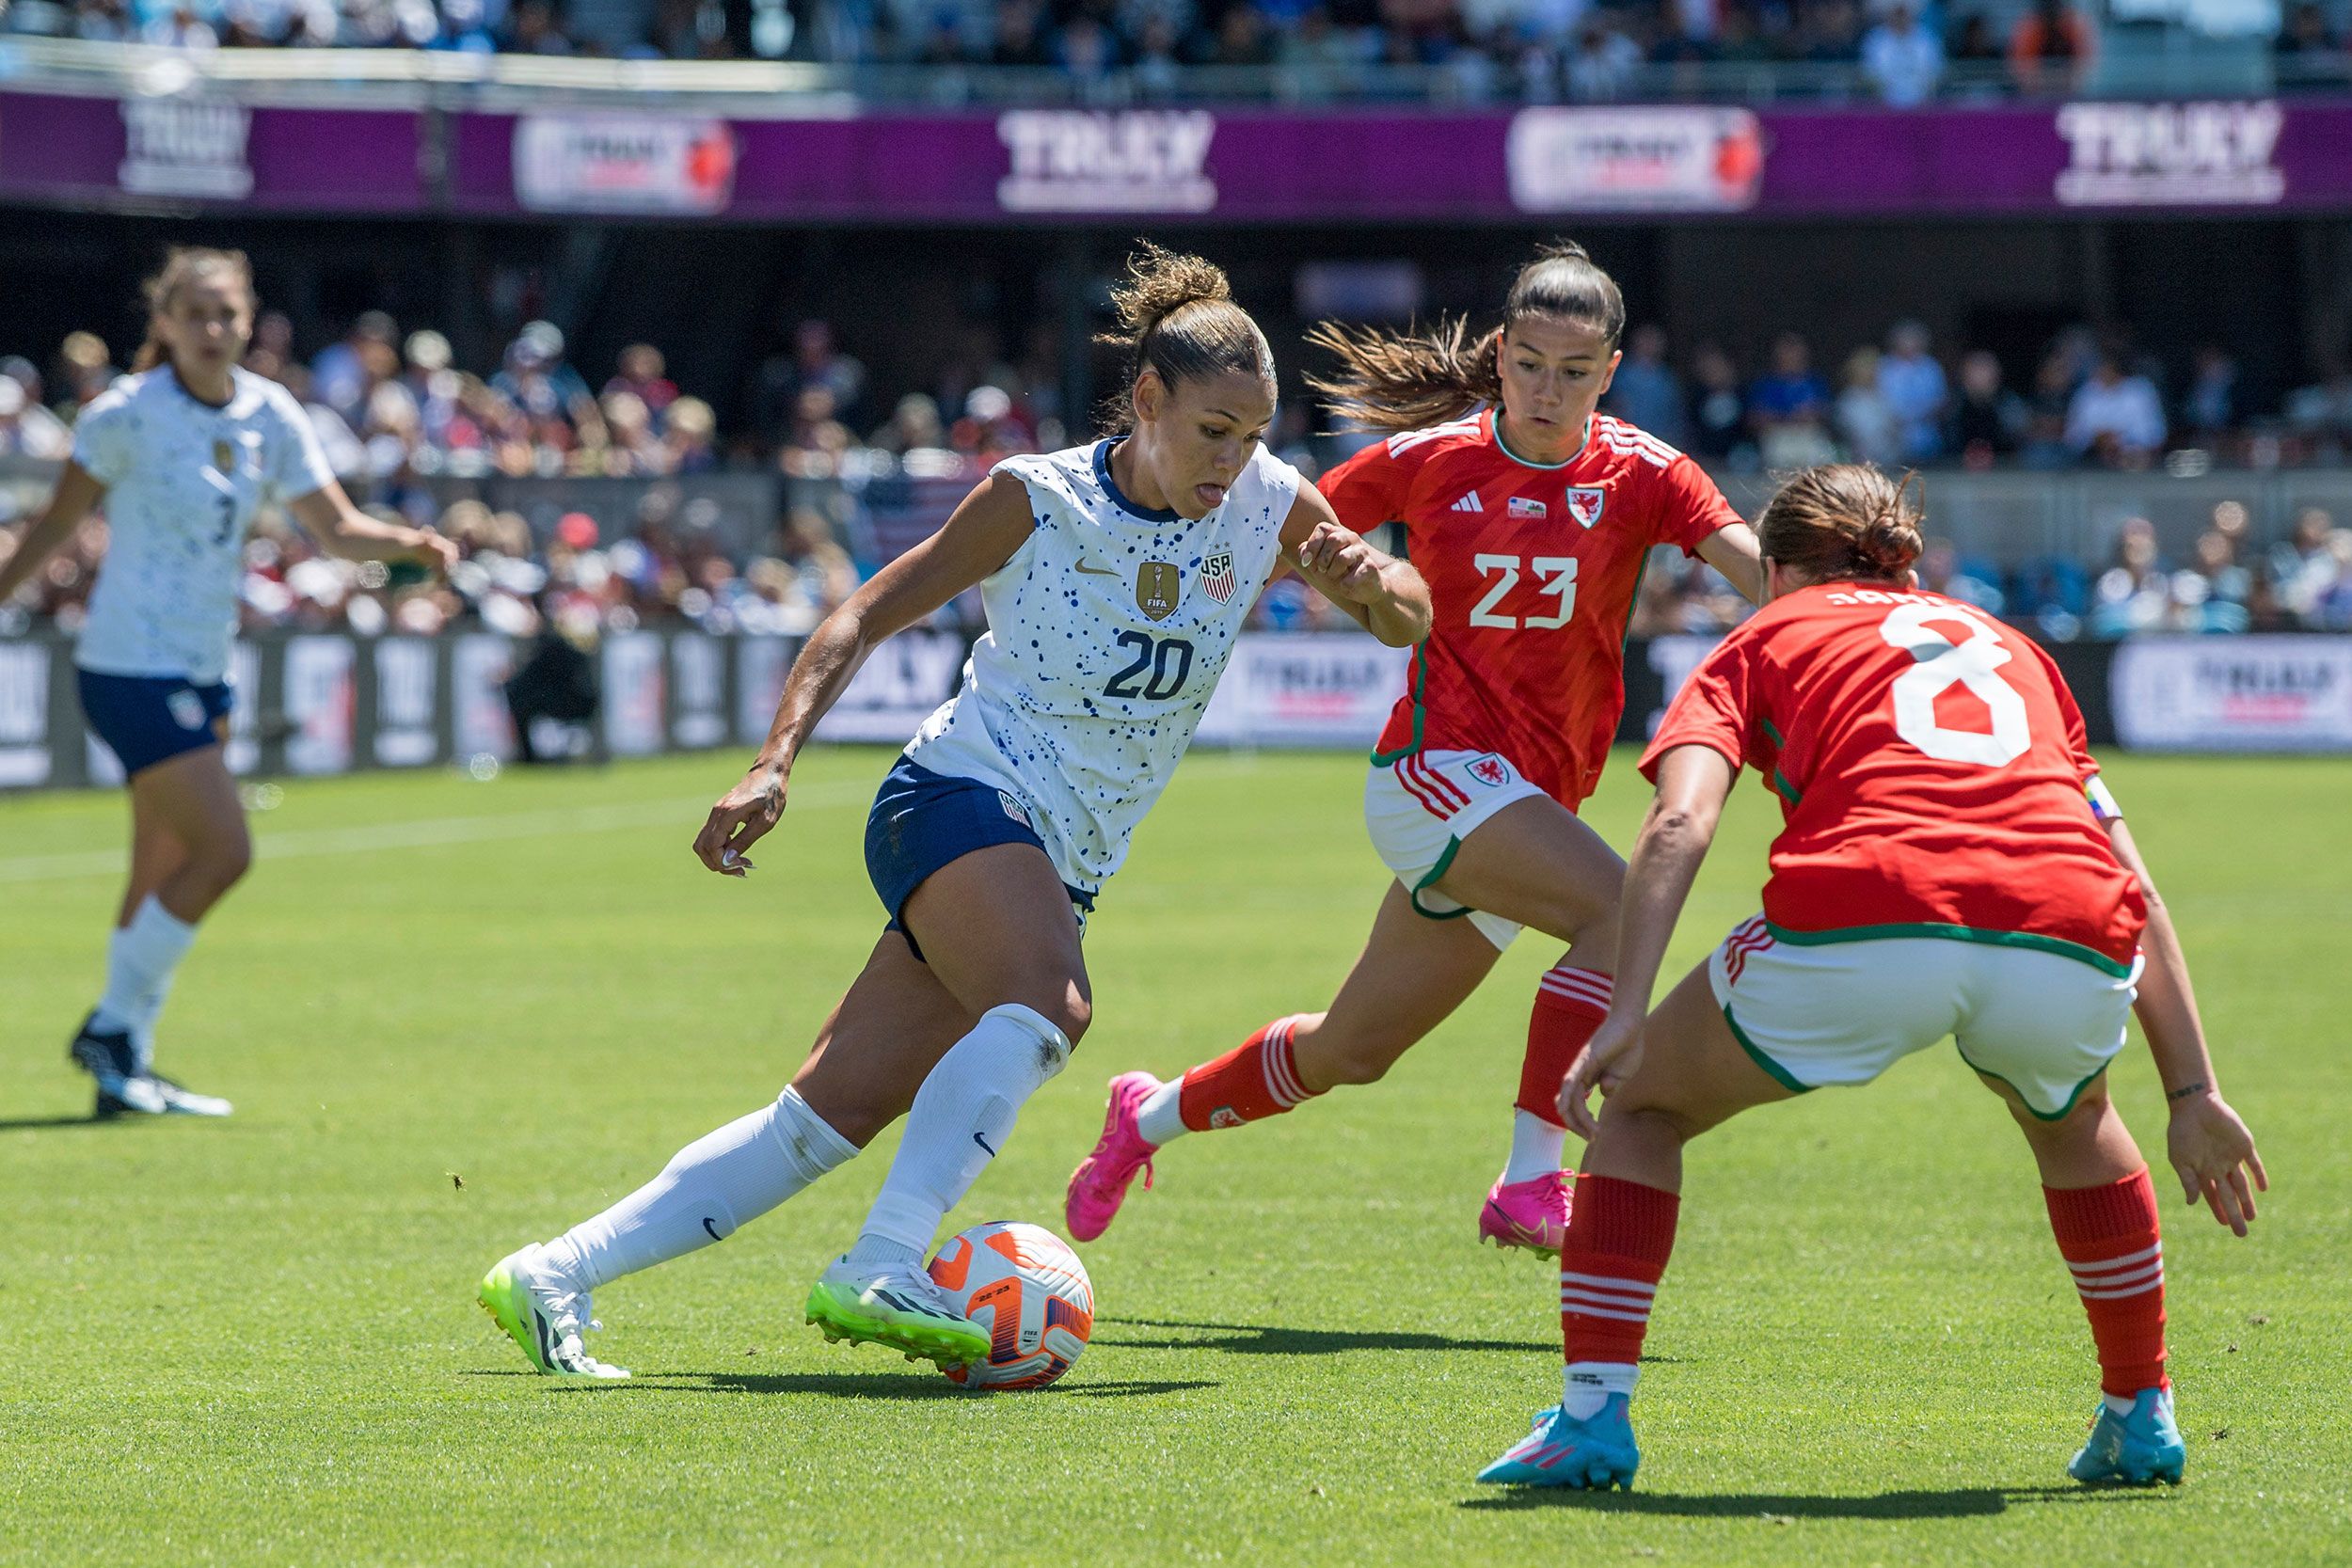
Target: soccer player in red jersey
x=1530, y=514
x=1951, y=864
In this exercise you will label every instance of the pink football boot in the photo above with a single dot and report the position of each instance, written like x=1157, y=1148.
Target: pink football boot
x=1532, y=1214
x=1099, y=1185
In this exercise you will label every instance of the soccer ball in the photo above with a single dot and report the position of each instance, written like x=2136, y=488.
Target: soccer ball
x=1027, y=1287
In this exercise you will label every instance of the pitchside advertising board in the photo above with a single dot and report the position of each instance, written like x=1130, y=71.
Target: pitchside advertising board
x=312, y=705
x=206, y=147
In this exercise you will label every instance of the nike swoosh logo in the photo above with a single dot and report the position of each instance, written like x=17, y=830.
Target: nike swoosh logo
x=1088, y=569
x=712, y=1229
x=983, y=1143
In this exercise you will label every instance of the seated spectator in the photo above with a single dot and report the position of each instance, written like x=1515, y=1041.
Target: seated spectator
x=1718, y=414
x=36, y=432
x=340, y=373
x=1901, y=59
x=641, y=373
x=1911, y=378
x=1867, y=426
x=1973, y=47
x=1988, y=422
x=2210, y=406
x=2307, y=35
x=2305, y=568
x=1788, y=408
x=2050, y=50
x=2135, y=594
x=1646, y=392
x=2115, y=417
x=2322, y=411
x=1019, y=41
x=1601, y=67
x=1940, y=572
x=533, y=29
x=691, y=433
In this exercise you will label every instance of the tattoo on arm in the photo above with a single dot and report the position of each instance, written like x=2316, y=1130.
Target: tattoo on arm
x=2186, y=1089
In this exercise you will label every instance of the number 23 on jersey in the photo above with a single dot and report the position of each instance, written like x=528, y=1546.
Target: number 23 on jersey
x=1552, y=578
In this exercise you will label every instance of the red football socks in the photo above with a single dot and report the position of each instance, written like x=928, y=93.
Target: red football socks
x=2108, y=1236
x=1620, y=1234
x=1570, y=1004
x=1254, y=1080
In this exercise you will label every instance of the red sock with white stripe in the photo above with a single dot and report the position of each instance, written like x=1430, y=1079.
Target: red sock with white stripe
x=2108, y=1236
x=1255, y=1080
x=1620, y=1235
x=1570, y=1004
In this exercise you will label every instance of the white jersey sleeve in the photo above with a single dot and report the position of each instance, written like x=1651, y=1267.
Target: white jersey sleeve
x=101, y=437
x=1107, y=631
x=297, y=465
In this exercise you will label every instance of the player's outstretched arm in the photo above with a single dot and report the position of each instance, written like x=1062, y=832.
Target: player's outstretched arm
x=1734, y=550
x=1693, y=783
x=1385, y=595
x=983, y=532
x=2209, y=1146
x=342, y=529
x=69, y=504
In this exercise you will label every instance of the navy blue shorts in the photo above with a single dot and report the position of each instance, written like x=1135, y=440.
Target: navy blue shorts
x=152, y=719
x=922, y=820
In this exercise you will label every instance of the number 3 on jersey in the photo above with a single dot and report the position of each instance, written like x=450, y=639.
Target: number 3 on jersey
x=1944, y=664
x=1555, y=576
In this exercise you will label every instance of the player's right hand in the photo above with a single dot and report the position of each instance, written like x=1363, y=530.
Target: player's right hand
x=2212, y=1152
x=1608, y=1059
x=740, y=819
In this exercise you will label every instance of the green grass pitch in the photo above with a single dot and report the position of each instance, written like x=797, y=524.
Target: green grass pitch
x=458, y=1016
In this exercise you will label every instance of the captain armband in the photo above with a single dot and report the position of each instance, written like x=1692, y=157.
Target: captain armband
x=2102, y=798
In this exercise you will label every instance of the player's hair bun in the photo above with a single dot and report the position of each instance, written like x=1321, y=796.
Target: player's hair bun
x=1176, y=314
x=1844, y=520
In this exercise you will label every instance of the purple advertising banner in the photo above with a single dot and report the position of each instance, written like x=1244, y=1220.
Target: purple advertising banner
x=1240, y=166
x=58, y=150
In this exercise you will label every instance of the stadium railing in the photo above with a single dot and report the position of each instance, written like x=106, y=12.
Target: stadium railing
x=412, y=78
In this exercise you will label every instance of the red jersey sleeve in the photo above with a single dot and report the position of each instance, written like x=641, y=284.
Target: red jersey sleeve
x=2078, y=732
x=1715, y=708
x=1370, y=487
x=1688, y=508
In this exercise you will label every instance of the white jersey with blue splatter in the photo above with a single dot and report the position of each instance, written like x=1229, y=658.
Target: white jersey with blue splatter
x=1107, y=631
x=183, y=480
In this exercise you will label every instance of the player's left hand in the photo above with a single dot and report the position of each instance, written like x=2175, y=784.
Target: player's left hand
x=1608, y=1059
x=1339, y=564
x=433, y=550
x=2212, y=1152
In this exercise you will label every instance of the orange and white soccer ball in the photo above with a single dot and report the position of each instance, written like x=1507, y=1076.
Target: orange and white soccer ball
x=1028, y=1290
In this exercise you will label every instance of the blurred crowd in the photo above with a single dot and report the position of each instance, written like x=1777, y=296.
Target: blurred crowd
x=496, y=461
x=1902, y=51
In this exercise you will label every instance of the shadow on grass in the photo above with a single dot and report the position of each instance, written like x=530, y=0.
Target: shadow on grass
x=1262, y=1339
x=884, y=1386
x=31, y=1124
x=1968, y=1502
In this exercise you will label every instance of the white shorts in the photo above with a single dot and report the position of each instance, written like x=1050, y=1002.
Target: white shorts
x=1420, y=807
x=1818, y=1010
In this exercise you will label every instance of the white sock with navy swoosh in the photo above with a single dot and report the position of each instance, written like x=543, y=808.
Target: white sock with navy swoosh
x=962, y=1115
x=720, y=1182
x=141, y=958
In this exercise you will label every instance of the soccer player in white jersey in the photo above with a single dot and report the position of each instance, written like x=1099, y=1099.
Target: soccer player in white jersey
x=1115, y=578
x=183, y=451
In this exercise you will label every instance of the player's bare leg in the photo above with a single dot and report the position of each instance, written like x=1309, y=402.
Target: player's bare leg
x=2102, y=1210
x=1693, y=1076
x=189, y=848
x=997, y=932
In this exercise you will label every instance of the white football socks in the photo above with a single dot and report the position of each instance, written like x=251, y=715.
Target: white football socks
x=141, y=958
x=962, y=1115
x=1588, y=1385
x=1161, y=1117
x=1536, y=1146
x=720, y=1182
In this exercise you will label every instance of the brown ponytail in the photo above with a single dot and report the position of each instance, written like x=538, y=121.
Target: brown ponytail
x=183, y=266
x=1409, y=381
x=1844, y=521
x=1177, y=317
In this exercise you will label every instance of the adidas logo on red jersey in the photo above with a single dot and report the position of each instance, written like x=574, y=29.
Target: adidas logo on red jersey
x=1468, y=503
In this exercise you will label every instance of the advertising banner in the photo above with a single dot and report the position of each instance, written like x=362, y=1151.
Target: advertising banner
x=2233, y=694
x=897, y=688
x=1310, y=690
x=1236, y=166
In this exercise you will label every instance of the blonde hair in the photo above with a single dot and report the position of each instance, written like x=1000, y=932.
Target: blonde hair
x=1412, y=380
x=183, y=266
x=1844, y=520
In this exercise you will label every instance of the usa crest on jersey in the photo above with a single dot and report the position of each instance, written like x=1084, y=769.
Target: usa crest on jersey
x=1216, y=577
x=1584, y=502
